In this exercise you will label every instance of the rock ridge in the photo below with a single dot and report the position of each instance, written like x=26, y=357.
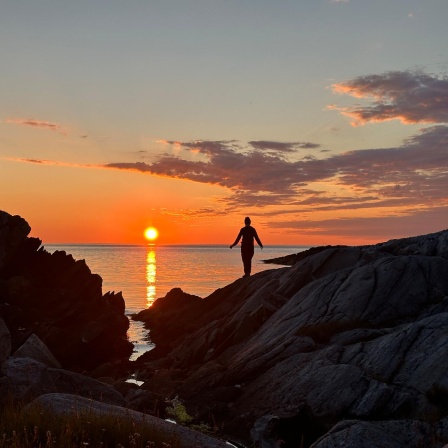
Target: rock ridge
x=59, y=300
x=356, y=334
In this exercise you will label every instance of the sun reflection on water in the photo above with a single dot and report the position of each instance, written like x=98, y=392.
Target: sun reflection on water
x=150, y=276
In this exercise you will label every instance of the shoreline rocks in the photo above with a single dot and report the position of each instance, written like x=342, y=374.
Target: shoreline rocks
x=345, y=333
x=59, y=300
x=346, y=347
x=57, y=327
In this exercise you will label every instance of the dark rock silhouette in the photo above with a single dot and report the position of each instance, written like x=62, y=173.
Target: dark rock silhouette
x=59, y=300
x=347, y=345
x=54, y=323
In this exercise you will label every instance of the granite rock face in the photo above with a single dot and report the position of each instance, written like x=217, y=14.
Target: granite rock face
x=59, y=300
x=347, y=344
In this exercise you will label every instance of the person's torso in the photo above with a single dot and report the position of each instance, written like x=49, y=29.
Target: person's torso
x=248, y=235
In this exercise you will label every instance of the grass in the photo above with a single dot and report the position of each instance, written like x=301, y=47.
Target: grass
x=39, y=429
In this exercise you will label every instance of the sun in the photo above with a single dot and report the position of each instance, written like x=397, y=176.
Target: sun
x=151, y=233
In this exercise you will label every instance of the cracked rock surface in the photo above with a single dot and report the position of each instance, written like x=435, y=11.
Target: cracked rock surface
x=346, y=344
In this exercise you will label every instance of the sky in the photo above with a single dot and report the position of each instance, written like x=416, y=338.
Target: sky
x=325, y=121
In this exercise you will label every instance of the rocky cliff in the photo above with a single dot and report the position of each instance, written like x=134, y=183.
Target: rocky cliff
x=55, y=323
x=347, y=347
x=59, y=300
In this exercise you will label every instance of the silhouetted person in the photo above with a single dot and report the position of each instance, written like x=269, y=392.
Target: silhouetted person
x=248, y=233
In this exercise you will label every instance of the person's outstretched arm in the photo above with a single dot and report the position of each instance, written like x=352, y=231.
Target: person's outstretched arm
x=237, y=240
x=257, y=239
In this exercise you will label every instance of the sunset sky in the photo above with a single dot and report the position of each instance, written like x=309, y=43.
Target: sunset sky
x=325, y=121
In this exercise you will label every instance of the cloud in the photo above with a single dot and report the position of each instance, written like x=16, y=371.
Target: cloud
x=416, y=171
x=280, y=147
x=37, y=124
x=375, y=228
x=190, y=214
x=52, y=162
x=417, y=164
x=227, y=164
x=410, y=175
x=408, y=96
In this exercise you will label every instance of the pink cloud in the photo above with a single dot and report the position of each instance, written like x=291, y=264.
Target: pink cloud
x=37, y=124
x=411, y=97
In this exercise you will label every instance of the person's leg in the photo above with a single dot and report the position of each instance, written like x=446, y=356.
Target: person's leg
x=247, y=255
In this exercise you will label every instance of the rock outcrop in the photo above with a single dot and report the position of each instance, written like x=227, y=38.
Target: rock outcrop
x=347, y=347
x=55, y=323
x=65, y=404
x=59, y=300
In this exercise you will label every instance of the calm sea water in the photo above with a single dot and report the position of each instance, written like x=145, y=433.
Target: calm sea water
x=146, y=273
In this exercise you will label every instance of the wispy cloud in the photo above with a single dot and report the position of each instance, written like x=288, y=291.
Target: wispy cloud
x=412, y=97
x=46, y=125
x=375, y=228
x=277, y=148
x=415, y=170
x=52, y=162
x=189, y=214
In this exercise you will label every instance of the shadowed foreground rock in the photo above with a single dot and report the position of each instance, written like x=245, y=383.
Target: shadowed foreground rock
x=25, y=379
x=347, y=347
x=64, y=404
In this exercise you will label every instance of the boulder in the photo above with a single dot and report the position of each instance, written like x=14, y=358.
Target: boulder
x=265, y=432
x=385, y=434
x=35, y=349
x=63, y=404
x=144, y=401
x=27, y=379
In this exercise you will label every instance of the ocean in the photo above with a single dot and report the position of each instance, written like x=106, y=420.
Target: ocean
x=145, y=273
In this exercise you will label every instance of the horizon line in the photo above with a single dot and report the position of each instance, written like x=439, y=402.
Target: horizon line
x=167, y=245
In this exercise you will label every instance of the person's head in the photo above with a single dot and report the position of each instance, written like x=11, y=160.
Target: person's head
x=247, y=221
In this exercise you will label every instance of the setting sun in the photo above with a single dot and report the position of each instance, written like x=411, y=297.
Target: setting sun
x=151, y=233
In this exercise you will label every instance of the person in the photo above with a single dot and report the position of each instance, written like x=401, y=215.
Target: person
x=248, y=233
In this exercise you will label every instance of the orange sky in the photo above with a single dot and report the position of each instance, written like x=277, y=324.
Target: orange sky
x=190, y=115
